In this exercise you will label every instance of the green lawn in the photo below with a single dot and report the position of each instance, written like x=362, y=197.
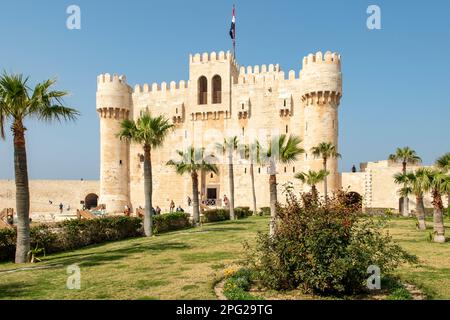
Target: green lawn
x=183, y=264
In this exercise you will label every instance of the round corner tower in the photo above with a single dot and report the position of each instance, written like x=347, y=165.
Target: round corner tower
x=321, y=81
x=113, y=106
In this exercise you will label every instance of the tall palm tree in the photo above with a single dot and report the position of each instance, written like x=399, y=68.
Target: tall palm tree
x=150, y=132
x=252, y=152
x=405, y=156
x=416, y=183
x=312, y=178
x=193, y=161
x=229, y=146
x=280, y=149
x=443, y=163
x=19, y=102
x=325, y=150
x=439, y=184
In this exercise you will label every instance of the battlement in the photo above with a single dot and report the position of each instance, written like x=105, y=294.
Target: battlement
x=259, y=69
x=212, y=57
x=107, y=78
x=161, y=87
x=319, y=58
x=106, y=82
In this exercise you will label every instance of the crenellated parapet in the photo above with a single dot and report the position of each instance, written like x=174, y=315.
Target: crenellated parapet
x=113, y=96
x=161, y=87
x=321, y=78
x=212, y=57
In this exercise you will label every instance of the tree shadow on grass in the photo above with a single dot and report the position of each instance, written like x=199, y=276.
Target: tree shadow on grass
x=103, y=257
x=13, y=290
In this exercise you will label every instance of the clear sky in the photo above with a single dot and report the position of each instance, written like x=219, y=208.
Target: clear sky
x=395, y=79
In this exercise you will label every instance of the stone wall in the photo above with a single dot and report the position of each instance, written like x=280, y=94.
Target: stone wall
x=67, y=192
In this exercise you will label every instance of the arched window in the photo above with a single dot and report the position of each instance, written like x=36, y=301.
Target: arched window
x=217, y=89
x=202, y=90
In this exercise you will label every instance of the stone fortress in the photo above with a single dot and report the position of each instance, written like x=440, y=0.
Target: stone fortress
x=220, y=99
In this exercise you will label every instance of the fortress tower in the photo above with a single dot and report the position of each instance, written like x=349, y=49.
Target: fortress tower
x=220, y=99
x=321, y=93
x=113, y=105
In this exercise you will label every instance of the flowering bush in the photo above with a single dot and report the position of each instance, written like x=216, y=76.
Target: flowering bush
x=323, y=247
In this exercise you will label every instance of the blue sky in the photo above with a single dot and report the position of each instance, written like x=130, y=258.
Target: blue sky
x=395, y=79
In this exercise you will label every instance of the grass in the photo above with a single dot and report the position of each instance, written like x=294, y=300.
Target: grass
x=176, y=265
x=183, y=265
x=432, y=274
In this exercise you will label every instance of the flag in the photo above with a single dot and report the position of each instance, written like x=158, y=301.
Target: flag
x=233, y=27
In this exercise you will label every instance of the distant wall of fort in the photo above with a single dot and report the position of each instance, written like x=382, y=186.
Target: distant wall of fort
x=67, y=192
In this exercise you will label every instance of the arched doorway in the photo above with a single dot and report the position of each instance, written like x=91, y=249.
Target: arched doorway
x=91, y=201
x=354, y=199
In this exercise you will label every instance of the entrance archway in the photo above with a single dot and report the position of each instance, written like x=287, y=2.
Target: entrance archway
x=91, y=201
x=354, y=199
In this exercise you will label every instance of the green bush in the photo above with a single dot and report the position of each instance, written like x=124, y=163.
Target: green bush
x=170, y=221
x=323, y=248
x=72, y=234
x=215, y=215
x=242, y=212
x=264, y=211
x=236, y=287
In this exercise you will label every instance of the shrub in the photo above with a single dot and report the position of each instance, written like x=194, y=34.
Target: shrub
x=170, y=221
x=214, y=215
x=242, y=212
x=323, y=248
x=265, y=211
x=72, y=234
x=237, y=285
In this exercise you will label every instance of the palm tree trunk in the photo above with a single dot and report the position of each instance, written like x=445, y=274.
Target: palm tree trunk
x=404, y=212
x=148, y=192
x=231, y=181
x=273, y=197
x=252, y=177
x=195, y=203
x=438, y=218
x=22, y=193
x=315, y=196
x=420, y=208
x=325, y=181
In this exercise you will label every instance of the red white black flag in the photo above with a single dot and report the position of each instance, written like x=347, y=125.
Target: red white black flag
x=233, y=26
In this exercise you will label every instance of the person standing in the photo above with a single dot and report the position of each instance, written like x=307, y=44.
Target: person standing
x=172, y=206
x=226, y=202
x=61, y=207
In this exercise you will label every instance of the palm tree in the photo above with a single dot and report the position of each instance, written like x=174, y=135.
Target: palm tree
x=312, y=178
x=150, y=132
x=280, y=149
x=252, y=153
x=193, y=161
x=443, y=163
x=326, y=150
x=17, y=103
x=229, y=146
x=406, y=156
x=439, y=183
x=416, y=183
